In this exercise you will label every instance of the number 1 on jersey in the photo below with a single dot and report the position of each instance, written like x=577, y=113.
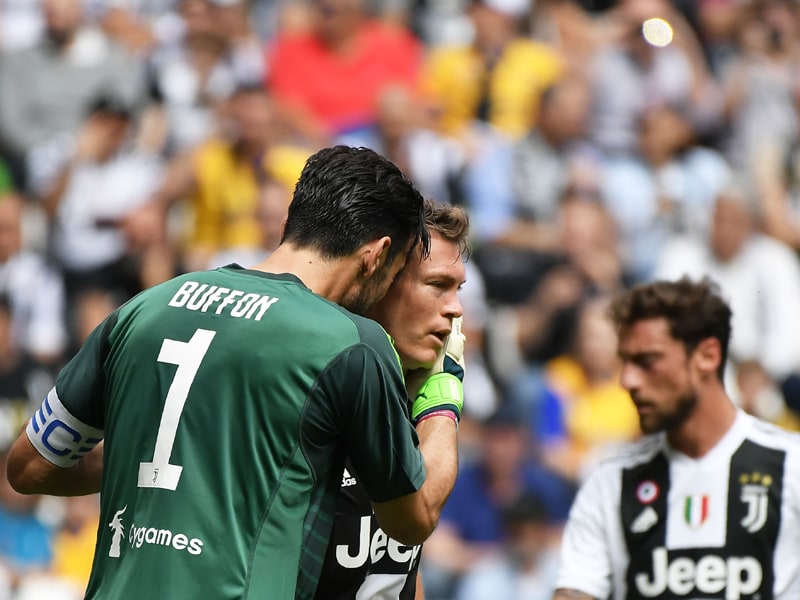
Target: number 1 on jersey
x=187, y=356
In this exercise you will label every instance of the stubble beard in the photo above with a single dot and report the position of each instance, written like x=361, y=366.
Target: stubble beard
x=365, y=297
x=359, y=303
x=669, y=421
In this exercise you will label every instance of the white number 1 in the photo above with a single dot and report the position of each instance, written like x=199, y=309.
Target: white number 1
x=188, y=356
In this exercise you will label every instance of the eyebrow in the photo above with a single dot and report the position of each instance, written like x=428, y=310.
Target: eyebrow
x=634, y=356
x=444, y=276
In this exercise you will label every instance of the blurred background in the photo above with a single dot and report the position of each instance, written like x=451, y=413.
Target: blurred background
x=596, y=145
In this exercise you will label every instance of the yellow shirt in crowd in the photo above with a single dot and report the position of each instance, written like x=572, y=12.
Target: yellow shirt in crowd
x=224, y=205
x=454, y=79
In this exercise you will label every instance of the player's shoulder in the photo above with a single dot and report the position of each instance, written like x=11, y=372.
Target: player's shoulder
x=632, y=454
x=771, y=435
x=604, y=480
x=370, y=332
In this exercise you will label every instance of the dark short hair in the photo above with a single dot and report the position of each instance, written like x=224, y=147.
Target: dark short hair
x=694, y=311
x=346, y=197
x=449, y=221
x=528, y=507
x=111, y=106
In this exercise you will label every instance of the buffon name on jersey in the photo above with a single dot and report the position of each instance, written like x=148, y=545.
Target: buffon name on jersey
x=202, y=297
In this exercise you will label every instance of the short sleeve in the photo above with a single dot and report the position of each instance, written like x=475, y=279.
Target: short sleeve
x=585, y=562
x=81, y=382
x=367, y=386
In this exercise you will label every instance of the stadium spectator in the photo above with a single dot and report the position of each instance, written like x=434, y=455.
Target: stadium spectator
x=759, y=276
x=46, y=90
x=666, y=188
x=481, y=391
x=579, y=411
x=191, y=82
x=218, y=180
x=630, y=75
x=25, y=541
x=496, y=79
x=328, y=79
x=776, y=187
x=525, y=568
x=33, y=287
x=513, y=190
x=94, y=202
x=193, y=73
x=23, y=380
x=270, y=214
x=535, y=314
x=471, y=526
x=570, y=28
x=716, y=28
x=74, y=541
x=433, y=162
x=761, y=83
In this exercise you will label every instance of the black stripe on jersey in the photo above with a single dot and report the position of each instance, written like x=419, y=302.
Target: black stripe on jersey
x=755, y=492
x=366, y=548
x=645, y=488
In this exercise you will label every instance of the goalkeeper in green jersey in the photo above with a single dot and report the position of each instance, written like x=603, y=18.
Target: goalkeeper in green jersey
x=226, y=402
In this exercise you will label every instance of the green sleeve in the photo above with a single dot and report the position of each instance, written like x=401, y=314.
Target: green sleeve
x=365, y=397
x=81, y=382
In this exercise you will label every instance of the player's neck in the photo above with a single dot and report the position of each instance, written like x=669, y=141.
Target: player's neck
x=330, y=278
x=712, y=418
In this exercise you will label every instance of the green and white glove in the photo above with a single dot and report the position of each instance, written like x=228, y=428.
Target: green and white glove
x=440, y=390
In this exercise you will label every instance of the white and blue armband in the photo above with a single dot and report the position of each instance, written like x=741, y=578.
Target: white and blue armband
x=58, y=436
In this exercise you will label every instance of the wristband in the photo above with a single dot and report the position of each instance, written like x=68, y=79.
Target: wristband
x=438, y=413
x=442, y=391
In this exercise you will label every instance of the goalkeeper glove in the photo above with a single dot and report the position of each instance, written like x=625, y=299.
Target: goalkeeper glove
x=441, y=386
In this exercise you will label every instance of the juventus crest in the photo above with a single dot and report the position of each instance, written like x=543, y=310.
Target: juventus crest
x=755, y=493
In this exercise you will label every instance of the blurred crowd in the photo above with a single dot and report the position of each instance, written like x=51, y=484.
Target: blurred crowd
x=595, y=144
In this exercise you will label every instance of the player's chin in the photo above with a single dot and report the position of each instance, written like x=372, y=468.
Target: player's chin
x=426, y=358
x=429, y=359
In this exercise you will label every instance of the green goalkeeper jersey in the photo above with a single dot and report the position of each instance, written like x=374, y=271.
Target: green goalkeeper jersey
x=228, y=401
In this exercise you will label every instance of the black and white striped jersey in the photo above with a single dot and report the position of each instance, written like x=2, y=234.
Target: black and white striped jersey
x=655, y=523
x=362, y=562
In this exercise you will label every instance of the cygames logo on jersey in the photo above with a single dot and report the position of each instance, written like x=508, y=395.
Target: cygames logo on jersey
x=138, y=536
x=119, y=532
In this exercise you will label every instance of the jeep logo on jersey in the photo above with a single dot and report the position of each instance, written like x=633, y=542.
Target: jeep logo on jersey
x=119, y=532
x=375, y=547
x=755, y=493
x=682, y=576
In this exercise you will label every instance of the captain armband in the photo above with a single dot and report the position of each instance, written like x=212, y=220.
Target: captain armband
x=440, y=392
x=58, y=436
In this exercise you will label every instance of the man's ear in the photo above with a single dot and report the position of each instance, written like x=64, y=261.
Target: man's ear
x=708, y=355
x=374, y=255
